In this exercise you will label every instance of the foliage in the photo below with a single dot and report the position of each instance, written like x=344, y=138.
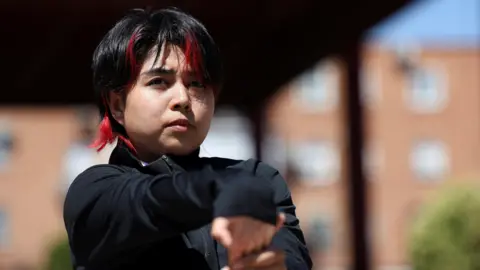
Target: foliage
x=446, y=236
x=59, y=256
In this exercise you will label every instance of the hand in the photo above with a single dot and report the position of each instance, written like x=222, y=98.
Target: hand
x=266, y=260
x=244, y=235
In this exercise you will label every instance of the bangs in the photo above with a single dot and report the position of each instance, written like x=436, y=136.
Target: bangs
x=188, y=42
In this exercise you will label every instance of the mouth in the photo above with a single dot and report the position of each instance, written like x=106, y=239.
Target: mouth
x=180, y=125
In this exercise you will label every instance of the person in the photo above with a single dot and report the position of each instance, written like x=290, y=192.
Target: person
x=157, y=204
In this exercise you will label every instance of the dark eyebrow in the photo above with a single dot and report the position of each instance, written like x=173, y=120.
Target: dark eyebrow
x=164, y=71
x=158, y=71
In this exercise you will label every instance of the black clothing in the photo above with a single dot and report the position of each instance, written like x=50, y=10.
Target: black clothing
x=124, y=215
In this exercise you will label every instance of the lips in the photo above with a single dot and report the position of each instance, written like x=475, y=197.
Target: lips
x=179, y=125
x=179, y=122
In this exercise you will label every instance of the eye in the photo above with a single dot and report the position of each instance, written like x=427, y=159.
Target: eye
x=197, y=84
x=157, y=82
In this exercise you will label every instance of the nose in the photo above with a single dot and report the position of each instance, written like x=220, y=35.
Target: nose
x=180, y=100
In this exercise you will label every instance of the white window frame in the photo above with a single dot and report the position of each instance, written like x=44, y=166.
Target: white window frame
x=229, y=136
x=5, y=153
x=300, y=154
x=275, y=151
x=440, y=76
x=370, y=86
x=324, y=77
x=417, y=169
x=327, y=223
x=4, y=229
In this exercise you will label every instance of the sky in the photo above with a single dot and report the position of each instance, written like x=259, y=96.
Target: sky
x=454, y=22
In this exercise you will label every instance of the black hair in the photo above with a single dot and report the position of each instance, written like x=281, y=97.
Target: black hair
x=121, y=53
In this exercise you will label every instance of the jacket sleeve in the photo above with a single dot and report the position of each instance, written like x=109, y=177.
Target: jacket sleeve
x=110, y=209
x=290, y=238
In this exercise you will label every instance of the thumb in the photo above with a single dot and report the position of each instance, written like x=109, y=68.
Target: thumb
x=280, y=220
x=225, y=238
x=221, y=233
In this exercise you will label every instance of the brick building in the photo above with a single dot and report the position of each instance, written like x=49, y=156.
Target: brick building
x=423, y=129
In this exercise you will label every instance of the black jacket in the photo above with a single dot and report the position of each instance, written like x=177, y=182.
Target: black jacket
x=124, y=215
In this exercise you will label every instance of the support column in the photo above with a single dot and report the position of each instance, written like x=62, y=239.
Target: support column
x=256, y=114
x=357, y=192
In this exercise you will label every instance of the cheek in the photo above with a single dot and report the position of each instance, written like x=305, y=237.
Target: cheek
x=204, y=111
x=142, y=104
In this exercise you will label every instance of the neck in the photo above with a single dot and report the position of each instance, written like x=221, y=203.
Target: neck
x=149, y=156
x=122, y=154
x=187, y=159
x=146, y=156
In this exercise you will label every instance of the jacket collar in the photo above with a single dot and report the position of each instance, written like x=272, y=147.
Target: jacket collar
x=122, y=155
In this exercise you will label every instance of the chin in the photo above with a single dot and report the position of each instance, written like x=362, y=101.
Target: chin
x=179, y=149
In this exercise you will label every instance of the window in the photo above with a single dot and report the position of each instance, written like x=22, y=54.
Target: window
x=370, y=86
x=6, y=146
x=78, y=158
x=3, y=229
x=275, y=152
x=426, y=90
x=229, y=137
x=319, y=234
x=318, y=163
x=317, y=89
x=429, y=160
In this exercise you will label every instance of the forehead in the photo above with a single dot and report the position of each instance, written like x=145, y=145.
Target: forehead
x=169, y=56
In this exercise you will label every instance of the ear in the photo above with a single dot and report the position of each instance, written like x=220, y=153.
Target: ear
x=116, y=104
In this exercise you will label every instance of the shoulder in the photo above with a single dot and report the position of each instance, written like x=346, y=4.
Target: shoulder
x=87, y=186
x=100, y=177
x=99, y=172
x=257, y=167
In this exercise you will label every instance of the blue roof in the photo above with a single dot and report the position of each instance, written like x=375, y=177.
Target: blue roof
x=439, y=22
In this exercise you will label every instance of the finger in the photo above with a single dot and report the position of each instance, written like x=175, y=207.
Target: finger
x=249, y=243
x=279, y=266
x=240, y=247
x=261, y=245
x=221, y=232
x=223, y=236
x=262, y=259
x=235, y=253
x=280, y=221
x=268, y=236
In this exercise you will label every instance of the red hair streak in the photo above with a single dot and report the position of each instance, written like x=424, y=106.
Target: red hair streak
x=105, y=134
x=130, y=58
x=192, y=55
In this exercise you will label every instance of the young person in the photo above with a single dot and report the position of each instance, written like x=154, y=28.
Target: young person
x=157, y=204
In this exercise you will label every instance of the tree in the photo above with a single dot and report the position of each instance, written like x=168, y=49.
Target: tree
x=59, y=256
x=446, y=235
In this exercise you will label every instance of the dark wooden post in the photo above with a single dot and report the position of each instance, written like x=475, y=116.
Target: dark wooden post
x=358, y=210
x=256, y=114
